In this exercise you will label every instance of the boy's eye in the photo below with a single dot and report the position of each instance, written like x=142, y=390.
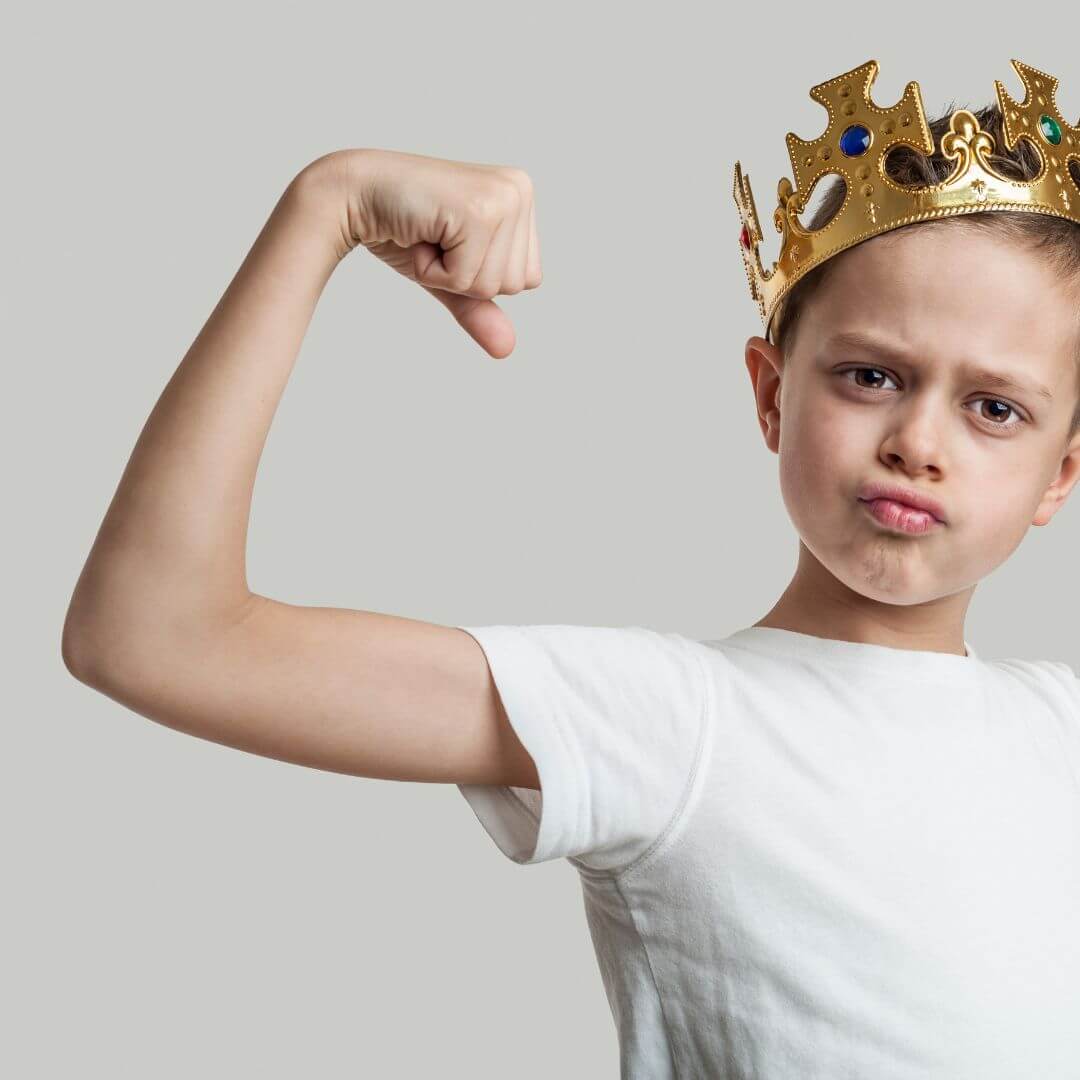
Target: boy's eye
x=884, y=374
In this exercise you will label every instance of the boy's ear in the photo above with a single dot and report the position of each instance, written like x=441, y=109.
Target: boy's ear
x=1055, y=495
x=765, y=362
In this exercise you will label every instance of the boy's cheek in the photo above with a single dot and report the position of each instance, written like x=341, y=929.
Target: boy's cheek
x=823, y=446
x=824, y=458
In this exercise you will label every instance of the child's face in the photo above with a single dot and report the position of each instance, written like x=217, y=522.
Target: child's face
x=947, y=299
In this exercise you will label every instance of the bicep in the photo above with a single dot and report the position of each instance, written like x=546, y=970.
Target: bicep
x=357, y=692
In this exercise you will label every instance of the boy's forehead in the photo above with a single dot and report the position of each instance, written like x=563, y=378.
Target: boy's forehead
x=951, y=291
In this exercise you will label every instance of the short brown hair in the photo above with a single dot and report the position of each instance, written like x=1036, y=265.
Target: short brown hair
x=1055, y=238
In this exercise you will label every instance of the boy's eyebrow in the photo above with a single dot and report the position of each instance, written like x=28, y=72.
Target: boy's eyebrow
x=858, y=339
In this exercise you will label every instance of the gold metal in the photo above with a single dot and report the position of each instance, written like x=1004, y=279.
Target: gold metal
x=873, y=203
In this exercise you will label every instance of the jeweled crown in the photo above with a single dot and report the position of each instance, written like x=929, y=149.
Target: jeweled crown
x=855, y=145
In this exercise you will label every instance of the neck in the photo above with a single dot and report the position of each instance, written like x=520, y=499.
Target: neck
x=816, y=602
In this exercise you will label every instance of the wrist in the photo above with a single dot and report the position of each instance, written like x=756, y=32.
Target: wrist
x=335, y=190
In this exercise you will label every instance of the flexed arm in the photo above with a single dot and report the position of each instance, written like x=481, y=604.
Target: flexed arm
x=162, y=618
x=171, y=547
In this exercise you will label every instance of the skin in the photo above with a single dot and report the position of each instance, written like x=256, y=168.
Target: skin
x=922, y=423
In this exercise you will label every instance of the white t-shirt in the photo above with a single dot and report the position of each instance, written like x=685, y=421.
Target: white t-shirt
x=804, y=857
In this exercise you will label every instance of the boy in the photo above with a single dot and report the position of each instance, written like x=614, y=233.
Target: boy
x=835, y=843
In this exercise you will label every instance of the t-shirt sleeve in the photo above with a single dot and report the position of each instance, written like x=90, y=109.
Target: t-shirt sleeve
x=613, y=718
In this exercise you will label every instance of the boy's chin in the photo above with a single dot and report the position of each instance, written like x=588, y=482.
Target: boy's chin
x=888, y=573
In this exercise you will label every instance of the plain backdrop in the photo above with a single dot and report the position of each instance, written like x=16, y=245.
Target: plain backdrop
x=177, y=908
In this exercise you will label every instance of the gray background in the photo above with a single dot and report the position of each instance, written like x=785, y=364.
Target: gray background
x=177, y=908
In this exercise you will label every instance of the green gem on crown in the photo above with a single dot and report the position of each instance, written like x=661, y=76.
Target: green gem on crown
x=1050, y=129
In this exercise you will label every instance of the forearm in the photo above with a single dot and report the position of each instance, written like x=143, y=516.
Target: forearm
x=170, y=552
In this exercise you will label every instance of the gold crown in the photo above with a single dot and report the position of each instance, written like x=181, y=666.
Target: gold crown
x=857, y=141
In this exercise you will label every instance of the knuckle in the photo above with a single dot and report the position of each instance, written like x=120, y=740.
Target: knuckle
x=507, y=196
x=466, y=281
x=488, y=202
x=483, y=286
x=519, y=178
x=512, y=194
x=497, y=196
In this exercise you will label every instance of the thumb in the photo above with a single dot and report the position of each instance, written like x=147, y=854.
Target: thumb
x=483, y=320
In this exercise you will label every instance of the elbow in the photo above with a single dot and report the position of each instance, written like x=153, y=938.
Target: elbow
x=84, y=627
x=77, y=649
x=83, y=645
x=98, y=633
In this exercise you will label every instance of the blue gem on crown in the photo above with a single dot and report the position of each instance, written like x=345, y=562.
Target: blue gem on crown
x=855, y=140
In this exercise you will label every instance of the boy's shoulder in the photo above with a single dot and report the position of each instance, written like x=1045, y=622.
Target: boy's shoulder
x=1054, y=669
x=1055, y=681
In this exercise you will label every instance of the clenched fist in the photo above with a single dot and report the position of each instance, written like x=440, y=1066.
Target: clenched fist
x=465, y=232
